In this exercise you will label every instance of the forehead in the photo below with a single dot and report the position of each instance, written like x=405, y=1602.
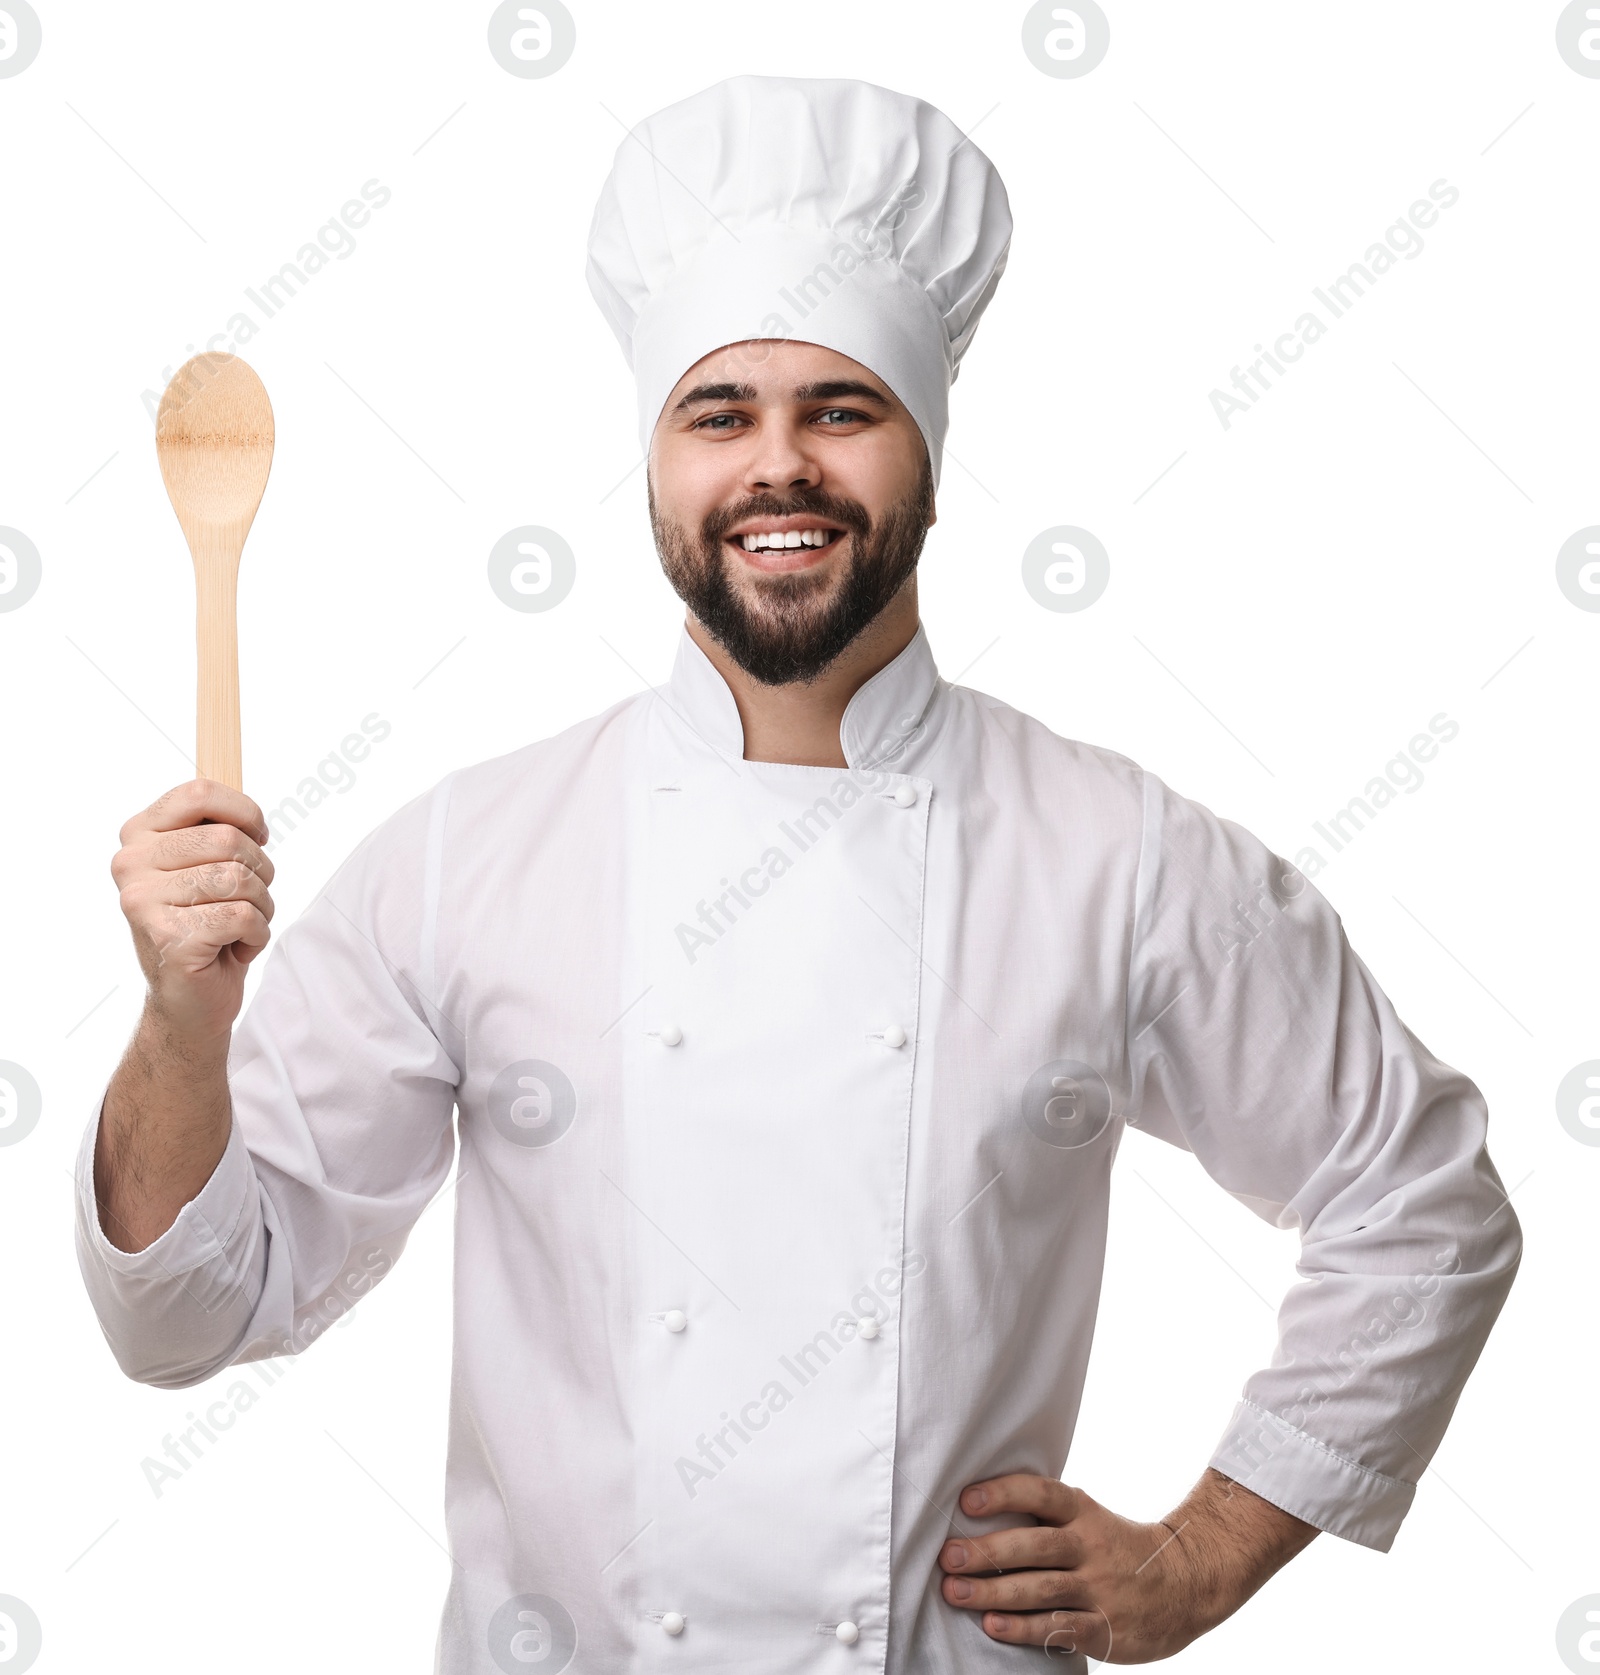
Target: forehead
x=773, y=368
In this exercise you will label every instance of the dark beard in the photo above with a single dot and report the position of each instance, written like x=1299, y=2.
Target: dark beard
x=796, y=632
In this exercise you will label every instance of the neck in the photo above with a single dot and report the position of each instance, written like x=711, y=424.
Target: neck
x=799, y=723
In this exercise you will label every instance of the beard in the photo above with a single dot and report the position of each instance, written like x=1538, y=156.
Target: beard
x=791, y=626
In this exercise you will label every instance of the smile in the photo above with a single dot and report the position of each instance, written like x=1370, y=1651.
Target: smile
x=787, y=538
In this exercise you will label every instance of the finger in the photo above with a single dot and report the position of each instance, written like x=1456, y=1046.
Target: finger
x=196, y=800
x=1039, y=1547
x=1061, y=1633
x=191, y=937
x=214, y=881
x=1017, y=1590
x=1044, y=1497
x=191, y=846
x=244, y=954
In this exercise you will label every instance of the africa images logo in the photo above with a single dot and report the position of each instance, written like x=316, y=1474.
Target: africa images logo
x=20, y=1635
x=531, y=40
x=532, y=1630
x=20, y=39
x=1065, y=40
x=20, y=1103
x=532, y=1103
x=1067, y=1104
x=20, y=569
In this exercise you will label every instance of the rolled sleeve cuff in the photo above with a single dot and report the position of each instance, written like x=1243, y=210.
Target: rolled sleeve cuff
x=1308, y=1480
x=205, y=1228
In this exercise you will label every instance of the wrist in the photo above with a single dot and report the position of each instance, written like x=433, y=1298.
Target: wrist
x=171, y=1033
x=1232, y=1540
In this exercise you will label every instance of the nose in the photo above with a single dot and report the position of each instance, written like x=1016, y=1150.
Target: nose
x=781, y=462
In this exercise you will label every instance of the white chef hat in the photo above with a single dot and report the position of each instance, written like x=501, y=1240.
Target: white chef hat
x=830, y=212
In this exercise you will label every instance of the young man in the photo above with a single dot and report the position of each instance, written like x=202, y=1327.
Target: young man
x=793, y=1013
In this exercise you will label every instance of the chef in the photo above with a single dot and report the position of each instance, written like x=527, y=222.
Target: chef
x=792, y=1013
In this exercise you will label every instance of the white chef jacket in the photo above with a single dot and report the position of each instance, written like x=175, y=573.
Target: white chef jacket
x=788, y=1101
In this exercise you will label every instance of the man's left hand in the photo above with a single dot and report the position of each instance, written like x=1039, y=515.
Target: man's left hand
x=1085, y=1580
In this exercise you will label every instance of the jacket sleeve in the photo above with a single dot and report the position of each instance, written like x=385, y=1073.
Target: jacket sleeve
x=1261, y=1043
x=342, y=1092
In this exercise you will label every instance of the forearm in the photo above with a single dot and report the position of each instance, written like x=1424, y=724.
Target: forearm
x=1233, y=1540
x=163, y=1128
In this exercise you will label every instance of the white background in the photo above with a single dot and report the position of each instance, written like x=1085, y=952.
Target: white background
x=1372, y=544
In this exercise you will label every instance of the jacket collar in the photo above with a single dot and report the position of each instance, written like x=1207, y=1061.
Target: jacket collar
x=884, y=723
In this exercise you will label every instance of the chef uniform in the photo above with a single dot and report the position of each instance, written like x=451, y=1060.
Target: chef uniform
x=788, y=1095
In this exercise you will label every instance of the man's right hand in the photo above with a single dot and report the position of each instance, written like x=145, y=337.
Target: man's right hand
x=194, y=883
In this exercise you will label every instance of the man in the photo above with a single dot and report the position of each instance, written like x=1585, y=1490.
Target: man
x=793, y=1013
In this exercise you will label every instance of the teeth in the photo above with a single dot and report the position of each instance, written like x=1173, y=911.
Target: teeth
x=793, y=538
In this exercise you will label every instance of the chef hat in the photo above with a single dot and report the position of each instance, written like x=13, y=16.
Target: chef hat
x=830, y=212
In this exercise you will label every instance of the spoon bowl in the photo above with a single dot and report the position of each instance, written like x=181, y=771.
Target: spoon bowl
x=214, y=440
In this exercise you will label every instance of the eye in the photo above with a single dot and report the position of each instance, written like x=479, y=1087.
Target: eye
x=720, y=422
x=840, y=416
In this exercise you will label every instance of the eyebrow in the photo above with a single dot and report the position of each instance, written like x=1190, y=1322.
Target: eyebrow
x=717, y=392
x=831, y=389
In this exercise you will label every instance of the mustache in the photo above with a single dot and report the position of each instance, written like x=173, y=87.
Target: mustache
x=848, y=514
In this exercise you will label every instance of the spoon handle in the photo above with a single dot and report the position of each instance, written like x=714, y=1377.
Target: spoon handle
x=218, y=753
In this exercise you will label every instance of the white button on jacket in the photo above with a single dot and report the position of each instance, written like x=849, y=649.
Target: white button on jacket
x=1107, y=953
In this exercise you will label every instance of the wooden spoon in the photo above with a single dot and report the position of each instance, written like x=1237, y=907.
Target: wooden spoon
x=214, y=442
